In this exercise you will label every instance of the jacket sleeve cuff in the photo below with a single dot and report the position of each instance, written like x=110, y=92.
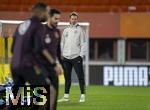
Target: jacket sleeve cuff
x=81, y=55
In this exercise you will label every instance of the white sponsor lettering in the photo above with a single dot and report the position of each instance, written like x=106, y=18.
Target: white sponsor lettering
x=125, y=76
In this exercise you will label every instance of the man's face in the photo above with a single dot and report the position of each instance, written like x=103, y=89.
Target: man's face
x=54, y=20
x=45, y=15
x=73, y=20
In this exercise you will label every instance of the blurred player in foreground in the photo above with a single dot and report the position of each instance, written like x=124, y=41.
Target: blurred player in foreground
x=27, y=44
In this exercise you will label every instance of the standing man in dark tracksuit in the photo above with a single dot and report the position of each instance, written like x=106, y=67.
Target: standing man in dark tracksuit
x=73, y=47
x=52, y=43
x=27, y=44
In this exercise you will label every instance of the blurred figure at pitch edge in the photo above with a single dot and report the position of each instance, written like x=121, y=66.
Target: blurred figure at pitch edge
x=73, y=49
x=52, y=43
x=27, y=44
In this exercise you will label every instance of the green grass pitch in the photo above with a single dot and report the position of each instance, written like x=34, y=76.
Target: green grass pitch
x=107, y=98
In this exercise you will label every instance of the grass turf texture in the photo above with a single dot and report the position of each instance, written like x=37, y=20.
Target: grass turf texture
x=107, y=98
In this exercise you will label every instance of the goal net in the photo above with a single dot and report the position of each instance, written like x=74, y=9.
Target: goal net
x=7, y=28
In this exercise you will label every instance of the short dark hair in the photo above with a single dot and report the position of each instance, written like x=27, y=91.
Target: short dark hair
x=74, y=14
x=39, y=6
x=53, y=11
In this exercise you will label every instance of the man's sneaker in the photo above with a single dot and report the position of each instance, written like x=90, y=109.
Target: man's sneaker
x=64, y=99
x=82, y=98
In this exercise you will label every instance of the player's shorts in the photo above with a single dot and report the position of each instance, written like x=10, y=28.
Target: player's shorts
x=51, y=74
x=31, y=75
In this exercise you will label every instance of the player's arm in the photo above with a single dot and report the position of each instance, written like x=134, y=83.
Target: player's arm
x=83, y=43
x=59, y=56
x=48, y=56
x=62, y=42
x=59, y=50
